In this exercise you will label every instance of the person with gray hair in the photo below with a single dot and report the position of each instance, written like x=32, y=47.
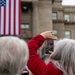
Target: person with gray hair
x=63, y=56
x=62, y=59
x=14, y=55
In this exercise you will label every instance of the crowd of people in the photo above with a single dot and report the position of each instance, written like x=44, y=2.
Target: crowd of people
x=16, y=54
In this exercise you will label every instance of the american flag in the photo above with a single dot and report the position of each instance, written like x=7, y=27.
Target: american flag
x=9, y=17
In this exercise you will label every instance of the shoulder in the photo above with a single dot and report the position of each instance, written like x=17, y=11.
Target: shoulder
x=52, y=70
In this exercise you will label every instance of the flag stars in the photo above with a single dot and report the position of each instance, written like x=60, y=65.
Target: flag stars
x=2, y=2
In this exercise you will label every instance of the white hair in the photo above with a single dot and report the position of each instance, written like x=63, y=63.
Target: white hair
x=13, y=55
x=63, y=56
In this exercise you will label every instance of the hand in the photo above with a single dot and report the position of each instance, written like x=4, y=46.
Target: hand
x=48, y=35
x=50, y=52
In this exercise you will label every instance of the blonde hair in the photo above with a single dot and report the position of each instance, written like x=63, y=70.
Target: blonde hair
x=13, y=55
x=64, y=56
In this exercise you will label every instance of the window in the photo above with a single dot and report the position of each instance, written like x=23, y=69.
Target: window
x=26, y=6
x=25, y=26
x=55, y=32
x=67, y=34
x=67, y=17
x=54, y=16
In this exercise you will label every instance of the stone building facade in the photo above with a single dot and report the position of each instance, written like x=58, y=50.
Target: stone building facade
x=36, y=17
x=41, y=15
x=63, y=20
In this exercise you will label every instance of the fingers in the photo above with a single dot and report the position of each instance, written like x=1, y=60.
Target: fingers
x=50, y=52
x=53, y=37
x=49, y=35
x=52, y=33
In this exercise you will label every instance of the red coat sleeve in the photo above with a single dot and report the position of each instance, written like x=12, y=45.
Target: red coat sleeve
x=35, y=64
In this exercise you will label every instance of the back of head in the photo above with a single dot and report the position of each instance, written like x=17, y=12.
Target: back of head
x=13, y=55
x=64, y=54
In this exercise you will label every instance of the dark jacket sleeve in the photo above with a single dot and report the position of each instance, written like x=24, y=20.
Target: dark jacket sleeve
x=35, y=64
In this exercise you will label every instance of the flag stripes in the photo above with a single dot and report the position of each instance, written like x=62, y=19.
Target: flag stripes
x=10, y=18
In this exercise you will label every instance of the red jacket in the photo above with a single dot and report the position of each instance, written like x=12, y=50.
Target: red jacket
x=35, y=63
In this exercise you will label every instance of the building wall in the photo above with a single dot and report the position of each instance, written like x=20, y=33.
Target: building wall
x=39, y=17
x=26, y=18
x=29, y=0
x=60, y=24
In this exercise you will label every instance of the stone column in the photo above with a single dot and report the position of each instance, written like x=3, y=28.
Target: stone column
x=45, y=15
x=35, y=19
x=42, y=16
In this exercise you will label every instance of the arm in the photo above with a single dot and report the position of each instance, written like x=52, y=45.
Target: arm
x=35, y=64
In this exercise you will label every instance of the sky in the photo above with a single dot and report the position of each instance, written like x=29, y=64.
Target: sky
x=68, y=2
